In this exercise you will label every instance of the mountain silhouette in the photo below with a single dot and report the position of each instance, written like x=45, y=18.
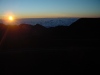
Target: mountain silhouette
x=37, y=36
x=70, y=49
x=85, y=28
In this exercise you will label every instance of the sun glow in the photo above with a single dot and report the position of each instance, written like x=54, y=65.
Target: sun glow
x=11, y=18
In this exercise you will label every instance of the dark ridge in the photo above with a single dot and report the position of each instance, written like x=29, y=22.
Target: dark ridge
x=28, y=36
x=85, y=28
x=61, y=50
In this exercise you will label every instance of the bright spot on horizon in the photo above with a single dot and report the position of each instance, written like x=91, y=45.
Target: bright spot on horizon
x=11, y=18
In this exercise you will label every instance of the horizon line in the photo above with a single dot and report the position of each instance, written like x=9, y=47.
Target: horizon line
x=50, y=17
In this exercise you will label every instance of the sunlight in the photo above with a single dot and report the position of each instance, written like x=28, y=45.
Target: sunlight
x=11, y=18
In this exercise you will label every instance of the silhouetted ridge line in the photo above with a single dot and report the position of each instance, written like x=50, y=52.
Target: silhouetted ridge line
x=86, y=28
x=27, y=36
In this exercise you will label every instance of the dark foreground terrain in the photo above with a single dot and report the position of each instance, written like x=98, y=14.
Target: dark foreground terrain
x=27, y=49
x=74, y=60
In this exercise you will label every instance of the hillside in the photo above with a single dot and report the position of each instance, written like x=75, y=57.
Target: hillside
x=38, y=36
x=61, y=50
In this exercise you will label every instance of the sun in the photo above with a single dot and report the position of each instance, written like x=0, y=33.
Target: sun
x=10, y=18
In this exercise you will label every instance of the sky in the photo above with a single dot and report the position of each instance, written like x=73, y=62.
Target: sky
x=50, y=8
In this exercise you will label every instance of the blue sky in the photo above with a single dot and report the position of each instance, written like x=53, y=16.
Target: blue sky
x=50, y=8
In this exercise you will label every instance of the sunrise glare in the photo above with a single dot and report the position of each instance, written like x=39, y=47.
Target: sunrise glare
x=11, y=18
